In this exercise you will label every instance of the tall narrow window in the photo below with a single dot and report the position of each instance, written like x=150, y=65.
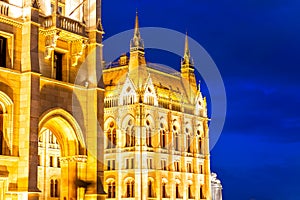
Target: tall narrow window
x=189, y=192
x=130, y=188
x=108, y=165
x=163, y=139
x=150, y=189
x=3, y=49
x=188, y=143
x=163, y=164
x=52, y=188
x=58, y=162
x=176, y=138
x=201, y=192
x=148, y=134
x=176, y=166
x=201, y=169
x=164, y=190
x=199, y=145
x=177, y=190
x=111, y=135
x=111, y=190
x=189, y=167
x=51, y=161
x=58, y=66
x=56, y=190
x=130, y=134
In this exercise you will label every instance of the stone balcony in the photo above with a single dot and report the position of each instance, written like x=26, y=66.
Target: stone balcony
x=63, y=23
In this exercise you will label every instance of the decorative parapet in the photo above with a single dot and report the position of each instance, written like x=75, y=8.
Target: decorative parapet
x=64, y=23
x=70, y=25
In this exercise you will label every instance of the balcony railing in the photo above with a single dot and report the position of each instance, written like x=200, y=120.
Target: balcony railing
x=63, y=23
x=70, y=25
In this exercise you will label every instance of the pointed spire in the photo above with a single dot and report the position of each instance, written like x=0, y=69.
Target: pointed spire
x=136, y=43
x=187, y=59
x=136, y=26
x=186, y=47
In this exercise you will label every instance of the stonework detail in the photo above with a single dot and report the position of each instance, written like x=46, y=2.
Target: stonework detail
x=58, y=141
x=43, y=138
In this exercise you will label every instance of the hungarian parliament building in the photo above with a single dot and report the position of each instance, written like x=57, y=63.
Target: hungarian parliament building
x=73, y=128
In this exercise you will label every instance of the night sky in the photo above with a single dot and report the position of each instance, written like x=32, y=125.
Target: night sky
x=255, y=44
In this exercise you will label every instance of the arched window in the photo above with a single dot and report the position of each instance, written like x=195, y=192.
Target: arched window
x=163, y=136
x=54, y=188
x=130, y=134
x=150, y=189
x=111, y=135
x=176, y=138
x=111, y=190
x=148, y=134
x=130, y=188
x=6, y=124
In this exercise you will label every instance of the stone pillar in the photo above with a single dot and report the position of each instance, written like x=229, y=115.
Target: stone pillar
x=69, y=175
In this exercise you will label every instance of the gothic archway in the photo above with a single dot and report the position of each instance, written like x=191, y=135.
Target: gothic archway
x=65, y=133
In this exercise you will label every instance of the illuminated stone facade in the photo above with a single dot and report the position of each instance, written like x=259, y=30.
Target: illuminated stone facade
x=50, y=137
x=156, y=128
x=155, y=140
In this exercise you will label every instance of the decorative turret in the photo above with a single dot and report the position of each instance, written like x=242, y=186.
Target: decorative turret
x=136, y=42
x=187, y=67
x=137, y=54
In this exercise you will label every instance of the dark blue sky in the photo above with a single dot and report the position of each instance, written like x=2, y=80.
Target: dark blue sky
x=256, y=46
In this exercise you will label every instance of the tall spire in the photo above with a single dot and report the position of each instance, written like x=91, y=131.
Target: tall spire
x=187, y=59
x=136, y=42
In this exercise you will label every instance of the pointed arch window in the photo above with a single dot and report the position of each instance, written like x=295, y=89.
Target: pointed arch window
x=148, y=134
x=176, y=138
x=111, y=135
x=188, y=140
x=130, y=188
x=111, y=190
x=54, y=188
x=150, y=189
x=163, y=136
x=6, y=124
x=130, y=134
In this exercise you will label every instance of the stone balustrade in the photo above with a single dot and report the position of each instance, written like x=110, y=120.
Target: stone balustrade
x=63, y=23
